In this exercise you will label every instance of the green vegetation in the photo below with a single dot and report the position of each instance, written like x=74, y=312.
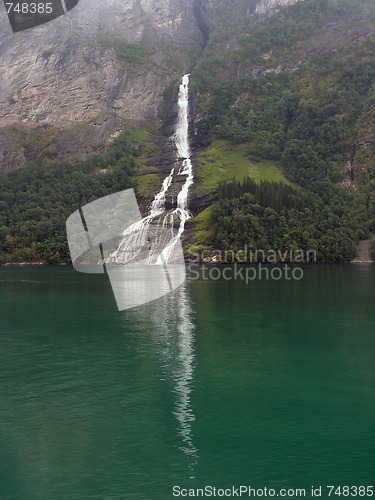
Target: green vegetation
x=276, y=217
x=306, y=120
x=147, y=173
x=270, y=194
x=203, y=232
x=33, y=141
x=137, y=135
x=144, y=182
x=303, y=103
x=36, y=200
x=221, y=161
x=168, y=91
x=286, y=37
x=129, y=52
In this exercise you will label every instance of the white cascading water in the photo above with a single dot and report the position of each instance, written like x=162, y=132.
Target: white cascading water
x=181, y=139
x=134, y=238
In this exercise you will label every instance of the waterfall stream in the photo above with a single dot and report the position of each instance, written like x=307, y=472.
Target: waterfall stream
x=135, y=244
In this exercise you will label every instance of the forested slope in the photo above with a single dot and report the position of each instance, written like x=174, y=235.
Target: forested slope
x=296, y=89
x=36, y=200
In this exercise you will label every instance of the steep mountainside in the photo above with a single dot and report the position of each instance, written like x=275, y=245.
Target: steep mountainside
x=88, y=74
x=109, y=59
x=289, y=98
x=282, y=122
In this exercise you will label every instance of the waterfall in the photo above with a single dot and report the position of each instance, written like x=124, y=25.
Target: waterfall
x=135, y=237
x=181, y=139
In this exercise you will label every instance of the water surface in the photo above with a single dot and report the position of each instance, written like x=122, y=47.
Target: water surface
x=219, y=383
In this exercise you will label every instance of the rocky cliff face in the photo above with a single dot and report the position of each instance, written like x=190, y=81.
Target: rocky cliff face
x=211, y=10
x=79, y=66
x=101, y=66
x=104, y=58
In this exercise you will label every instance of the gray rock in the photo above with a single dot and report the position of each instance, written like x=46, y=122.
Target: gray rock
x=104, y=58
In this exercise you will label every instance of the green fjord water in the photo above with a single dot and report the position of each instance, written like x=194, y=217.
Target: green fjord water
x=220, y=383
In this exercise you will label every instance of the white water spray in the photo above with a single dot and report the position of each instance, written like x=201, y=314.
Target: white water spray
x=181, y=139
x=134, y=238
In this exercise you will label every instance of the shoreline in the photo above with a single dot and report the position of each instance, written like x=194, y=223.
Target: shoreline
x=210, y=263
x=33, y=264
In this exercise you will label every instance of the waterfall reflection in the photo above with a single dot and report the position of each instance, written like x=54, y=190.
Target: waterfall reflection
x=170, y=321
x=183, y=374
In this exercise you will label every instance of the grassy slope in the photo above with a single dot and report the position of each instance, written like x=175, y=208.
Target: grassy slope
x=147, y=172
x=222, y=161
